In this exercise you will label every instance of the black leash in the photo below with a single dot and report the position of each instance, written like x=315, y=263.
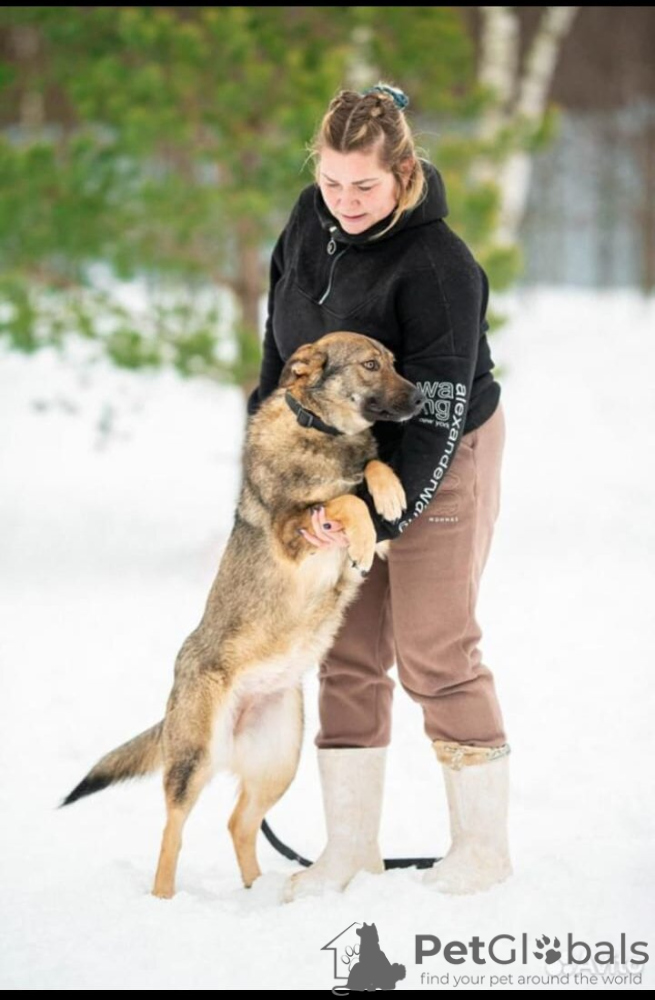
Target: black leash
x=292, y=855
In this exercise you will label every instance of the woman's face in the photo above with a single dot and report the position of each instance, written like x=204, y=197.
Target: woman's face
x=356, y=189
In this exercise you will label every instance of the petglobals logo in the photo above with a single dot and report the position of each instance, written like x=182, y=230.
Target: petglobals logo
x=505, y=949
x=358, y=962
x=570, y=952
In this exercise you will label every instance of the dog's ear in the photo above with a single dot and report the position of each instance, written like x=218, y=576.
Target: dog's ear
x=307, y=362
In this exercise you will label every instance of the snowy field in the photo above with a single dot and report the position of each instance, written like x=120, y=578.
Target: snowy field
x=116, y=497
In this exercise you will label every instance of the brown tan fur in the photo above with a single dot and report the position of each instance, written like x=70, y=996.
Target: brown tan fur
x=277, y=601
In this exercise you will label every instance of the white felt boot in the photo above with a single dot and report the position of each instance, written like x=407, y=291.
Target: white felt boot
x=477, y=788
x=352, y=782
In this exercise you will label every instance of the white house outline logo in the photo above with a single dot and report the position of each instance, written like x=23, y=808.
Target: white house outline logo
x=367, y=965
x=354, y=945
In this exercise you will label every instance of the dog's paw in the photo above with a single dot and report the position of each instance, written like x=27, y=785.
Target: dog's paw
x=382, y=549
x=391, y=503
x=386, y=489
x=361, y=548
x=356, y=566
x=358, y=530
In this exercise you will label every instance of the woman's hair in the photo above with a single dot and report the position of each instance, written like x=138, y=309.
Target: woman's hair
x=376, y=120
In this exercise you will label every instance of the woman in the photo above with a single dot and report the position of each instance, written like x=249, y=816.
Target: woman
x=366, y=249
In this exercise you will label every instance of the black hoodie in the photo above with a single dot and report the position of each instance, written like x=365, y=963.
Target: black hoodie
x=420, y=292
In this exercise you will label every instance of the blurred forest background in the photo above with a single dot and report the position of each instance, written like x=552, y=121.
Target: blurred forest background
x=149, y=157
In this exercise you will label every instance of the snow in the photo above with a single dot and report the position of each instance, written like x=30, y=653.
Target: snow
x=108, y=546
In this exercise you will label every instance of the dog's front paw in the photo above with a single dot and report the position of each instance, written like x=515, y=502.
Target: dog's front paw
x=353, y=514
x=362, y=545
x=386, y=489
x=382, y=548
x=356, y=566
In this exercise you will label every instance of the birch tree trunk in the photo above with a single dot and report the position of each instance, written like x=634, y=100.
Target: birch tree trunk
x=521, y=97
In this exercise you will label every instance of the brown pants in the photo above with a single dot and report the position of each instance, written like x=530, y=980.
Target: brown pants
x=417, y=609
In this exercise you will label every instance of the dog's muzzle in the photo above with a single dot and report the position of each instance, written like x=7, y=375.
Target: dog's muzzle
x=378, y=408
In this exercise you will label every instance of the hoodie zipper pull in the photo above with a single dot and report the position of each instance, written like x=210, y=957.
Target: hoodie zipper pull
x=332, y=244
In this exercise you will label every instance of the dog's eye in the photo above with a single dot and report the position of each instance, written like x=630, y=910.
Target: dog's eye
x=371, y=364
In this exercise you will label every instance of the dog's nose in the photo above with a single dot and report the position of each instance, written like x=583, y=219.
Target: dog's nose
x=417, y=399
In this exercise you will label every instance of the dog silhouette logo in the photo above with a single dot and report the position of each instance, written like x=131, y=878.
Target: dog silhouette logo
x=360, y=963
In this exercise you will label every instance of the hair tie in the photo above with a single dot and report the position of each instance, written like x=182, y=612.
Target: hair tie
x=400, y=99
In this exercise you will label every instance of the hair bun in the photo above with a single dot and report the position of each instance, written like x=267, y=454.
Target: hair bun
x=400, y=99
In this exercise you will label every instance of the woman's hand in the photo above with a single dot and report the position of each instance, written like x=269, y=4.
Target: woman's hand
x=326, y=534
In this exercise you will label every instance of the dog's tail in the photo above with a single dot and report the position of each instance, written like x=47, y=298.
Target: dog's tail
x=137, y=757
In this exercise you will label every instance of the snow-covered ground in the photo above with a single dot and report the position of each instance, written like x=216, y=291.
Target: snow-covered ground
x=109, y=543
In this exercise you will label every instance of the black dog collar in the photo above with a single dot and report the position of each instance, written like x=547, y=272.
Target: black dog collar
x=308, y=419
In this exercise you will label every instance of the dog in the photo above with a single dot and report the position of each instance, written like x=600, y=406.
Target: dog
x=278, y=599
x=373, y=971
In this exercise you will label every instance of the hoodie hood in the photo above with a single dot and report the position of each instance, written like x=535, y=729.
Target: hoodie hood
x=432, y=208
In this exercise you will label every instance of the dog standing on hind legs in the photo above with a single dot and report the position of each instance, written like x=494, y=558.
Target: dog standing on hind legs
x=273, y=610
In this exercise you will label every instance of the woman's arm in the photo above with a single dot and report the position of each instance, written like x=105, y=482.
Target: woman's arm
x=442, y=316
x=272, y=363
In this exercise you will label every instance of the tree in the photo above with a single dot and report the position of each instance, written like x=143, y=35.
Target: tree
x=519, y=108
x=166, y=144
x=167, y=148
